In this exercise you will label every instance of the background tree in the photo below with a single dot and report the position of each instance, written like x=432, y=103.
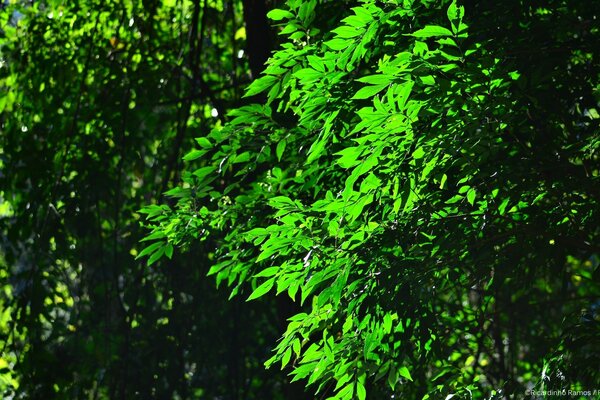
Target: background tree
x=422, y=178
x=99, y=100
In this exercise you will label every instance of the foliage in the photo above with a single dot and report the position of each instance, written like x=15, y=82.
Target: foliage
x=98, y=101
x=422, y=178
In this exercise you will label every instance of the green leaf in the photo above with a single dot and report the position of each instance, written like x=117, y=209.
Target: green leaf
x=418, y=153
x=359, y=170
x=267, y=272
x=280, y=149
x=201, y=173
x=371, y=182
x=431, y=31
x=317, y=63
x=262, y=289
x=404, y=93
x=463, y=189
x=282, y=202
x=403, y=371
x=150, y=249
x=392, y=378
x=361, y=18
x=338, y=44
x=361, y=392
x=169, y=251
x=346, y=392
x=153, y=236
x=429, y=166
x=204, y=142
x=243, y=157
x=455, y=16
x=471, y=196
x=452, y=11
x=364, y=13
x=308, y=75
x=194, y=154
x=156, y=256
x=502, y=207
x=348, y=157
x=278, y=14
x=378, y=79
x=286, y=357
x=387, y=323
x=346, y=32
x=368, y=92
x=316, y=151
x=443, y=181
x=260, y=85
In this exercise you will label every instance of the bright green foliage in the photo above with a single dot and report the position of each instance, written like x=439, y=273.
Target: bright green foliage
x=425, y=184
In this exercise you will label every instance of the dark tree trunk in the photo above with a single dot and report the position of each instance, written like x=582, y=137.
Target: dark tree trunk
x=258, y=35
